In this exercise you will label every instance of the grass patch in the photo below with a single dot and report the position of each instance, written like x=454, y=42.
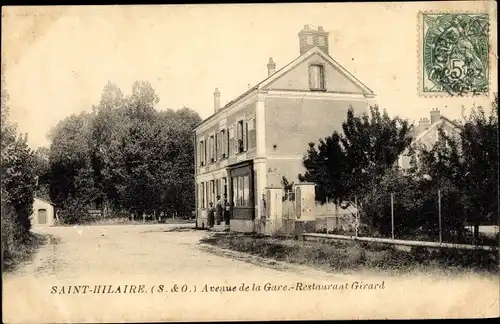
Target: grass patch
x=346, y=256
x=24, y=251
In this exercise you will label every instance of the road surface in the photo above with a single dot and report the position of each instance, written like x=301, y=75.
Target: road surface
x=127, y=273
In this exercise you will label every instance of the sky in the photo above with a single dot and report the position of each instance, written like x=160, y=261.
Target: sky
x=58, y=59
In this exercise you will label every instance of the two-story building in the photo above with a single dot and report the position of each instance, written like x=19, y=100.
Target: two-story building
x=252, y=142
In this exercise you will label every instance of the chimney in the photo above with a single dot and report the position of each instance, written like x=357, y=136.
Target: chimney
x=216, y=100
x=435, y=115
x=423, y=125
x=271, y=67
x=310, y=37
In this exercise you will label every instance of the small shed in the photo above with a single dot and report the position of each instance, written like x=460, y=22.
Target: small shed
x=44, y=213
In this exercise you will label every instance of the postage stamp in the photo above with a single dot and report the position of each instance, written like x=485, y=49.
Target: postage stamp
x=453, y=55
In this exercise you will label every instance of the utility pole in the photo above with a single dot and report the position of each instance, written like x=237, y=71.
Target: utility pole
x=357, y=214
x=392, y=214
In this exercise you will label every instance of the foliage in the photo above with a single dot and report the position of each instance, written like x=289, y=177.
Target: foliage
x=125, y=156
x=17, y=168
x=347, y=166
x=466, y=168
x=459, y=173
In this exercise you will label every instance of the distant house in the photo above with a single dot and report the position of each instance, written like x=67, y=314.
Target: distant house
x=426, y=134
x=44, y=213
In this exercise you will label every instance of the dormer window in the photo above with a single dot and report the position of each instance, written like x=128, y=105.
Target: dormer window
x=316, y=77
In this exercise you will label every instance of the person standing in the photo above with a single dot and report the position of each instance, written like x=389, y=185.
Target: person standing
x=219, y=208
x=226, y=210
x=211, y=212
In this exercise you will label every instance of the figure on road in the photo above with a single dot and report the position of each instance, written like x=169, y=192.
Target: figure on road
x=211, y=216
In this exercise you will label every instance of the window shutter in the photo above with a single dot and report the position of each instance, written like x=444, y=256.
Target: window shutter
x=245, y=135
x=231, y=140
x=205, y=152
x=218, y=150
x=198, y=156
x=235, y=140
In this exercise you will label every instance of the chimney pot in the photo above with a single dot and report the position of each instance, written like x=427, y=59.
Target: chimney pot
x=216, y=100
x=271, y=67
x=320, y=28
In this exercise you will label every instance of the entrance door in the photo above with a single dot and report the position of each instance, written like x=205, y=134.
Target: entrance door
x=42, y=216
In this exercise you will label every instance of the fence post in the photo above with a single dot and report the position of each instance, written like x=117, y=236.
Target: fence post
x=439, y=215
x=392, y=214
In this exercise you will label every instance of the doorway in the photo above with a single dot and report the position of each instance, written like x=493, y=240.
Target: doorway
x=42, y=216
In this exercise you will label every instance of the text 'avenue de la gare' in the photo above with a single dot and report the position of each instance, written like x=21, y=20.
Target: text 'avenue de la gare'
x=206, y=288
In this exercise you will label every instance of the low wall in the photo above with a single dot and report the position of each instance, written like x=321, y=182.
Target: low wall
x=401, y=242
x=275, y=226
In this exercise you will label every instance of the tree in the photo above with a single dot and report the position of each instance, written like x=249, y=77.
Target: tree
x=71, y=183
x=351, y=164
x=18, y=178
x=125, y=156
x=469, y=165
x=42, y=171
x=103, y=126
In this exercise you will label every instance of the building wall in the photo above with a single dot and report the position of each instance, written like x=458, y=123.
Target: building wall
x=428, y=140
x=298, y=78
x=224, y=121
x=291, y=124
x=218, y=169
x=39, y=204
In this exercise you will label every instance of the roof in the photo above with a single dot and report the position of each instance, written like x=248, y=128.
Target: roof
x=435, y=125
x=48, y=202
x=286, y=68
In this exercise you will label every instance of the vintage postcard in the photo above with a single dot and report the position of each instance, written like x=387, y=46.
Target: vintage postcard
x=261, y=162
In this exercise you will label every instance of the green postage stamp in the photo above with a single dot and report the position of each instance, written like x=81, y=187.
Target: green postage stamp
x=454, y=51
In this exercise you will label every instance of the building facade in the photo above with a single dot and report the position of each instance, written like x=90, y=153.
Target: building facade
x=254, y=141
x=426, y=134
x=44, y=213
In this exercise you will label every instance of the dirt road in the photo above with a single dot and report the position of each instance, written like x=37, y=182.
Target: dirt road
x=127, y=273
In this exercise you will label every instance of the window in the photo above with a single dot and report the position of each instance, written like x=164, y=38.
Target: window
x=239, y=202
x=316, y=77
x=211, y=149
x=246, y=191
x=241, y=191
x=240, y=137
x=252, y=138
x=202, y=195
x=245, y=136
x=211, y=193
x=217, y=145
x=235, y=190
x=310, y=40
x=226, y=146
x=224, y=186
x=223, y=138
x=321, y=41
